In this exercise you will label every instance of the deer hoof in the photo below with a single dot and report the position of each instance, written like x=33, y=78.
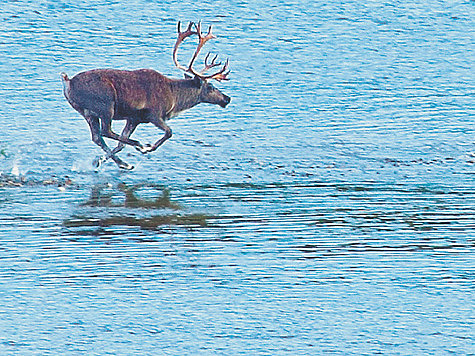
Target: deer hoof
x=144, y=148
x=126, y=166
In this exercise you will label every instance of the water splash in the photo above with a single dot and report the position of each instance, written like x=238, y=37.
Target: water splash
x=15, y=169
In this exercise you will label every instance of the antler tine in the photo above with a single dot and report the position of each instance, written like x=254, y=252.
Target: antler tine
x=203, y=40
x=210, y=65
x=200, y=34
x=198, y=28
x=190, y=25
x=181, y=37
x=222, y=74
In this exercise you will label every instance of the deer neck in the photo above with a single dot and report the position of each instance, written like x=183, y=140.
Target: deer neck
x=185, y=95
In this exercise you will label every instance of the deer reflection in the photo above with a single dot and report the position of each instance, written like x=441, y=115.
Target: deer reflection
x=123, y=205
x=103, y=196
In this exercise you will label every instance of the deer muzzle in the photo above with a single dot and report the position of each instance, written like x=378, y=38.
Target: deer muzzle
x=225, y=101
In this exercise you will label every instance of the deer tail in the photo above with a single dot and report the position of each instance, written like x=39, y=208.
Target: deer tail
x=66, y=85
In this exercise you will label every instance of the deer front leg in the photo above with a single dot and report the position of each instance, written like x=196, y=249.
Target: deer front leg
x=168, y=133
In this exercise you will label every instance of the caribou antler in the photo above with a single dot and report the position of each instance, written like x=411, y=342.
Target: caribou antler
x=220, y=75
x=180, y=39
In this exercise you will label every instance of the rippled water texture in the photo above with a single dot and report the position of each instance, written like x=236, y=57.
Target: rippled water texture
x=329, y=209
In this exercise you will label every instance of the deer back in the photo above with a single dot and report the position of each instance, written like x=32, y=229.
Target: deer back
x=121, y=93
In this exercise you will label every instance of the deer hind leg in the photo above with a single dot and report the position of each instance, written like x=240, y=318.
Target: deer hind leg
x=97, y=138
x=123, y=138
x=129, y=128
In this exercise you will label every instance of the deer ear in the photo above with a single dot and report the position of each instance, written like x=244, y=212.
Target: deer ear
x=198, y=81
x=187, y=76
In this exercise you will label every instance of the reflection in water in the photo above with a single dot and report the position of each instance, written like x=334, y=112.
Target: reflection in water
x=123, y=205
x=103, y=196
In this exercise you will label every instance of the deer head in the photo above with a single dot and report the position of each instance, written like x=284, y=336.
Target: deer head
x=208, y=93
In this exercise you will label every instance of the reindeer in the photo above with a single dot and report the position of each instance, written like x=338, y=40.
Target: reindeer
x=143, y=96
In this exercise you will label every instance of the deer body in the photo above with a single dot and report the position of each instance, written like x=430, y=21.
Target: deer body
x=138, y=96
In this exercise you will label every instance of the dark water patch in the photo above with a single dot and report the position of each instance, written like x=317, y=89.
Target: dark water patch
x=154, y=222
x=421, y=161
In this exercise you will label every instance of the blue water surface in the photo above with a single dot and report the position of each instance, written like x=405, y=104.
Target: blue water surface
x=329, y=209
